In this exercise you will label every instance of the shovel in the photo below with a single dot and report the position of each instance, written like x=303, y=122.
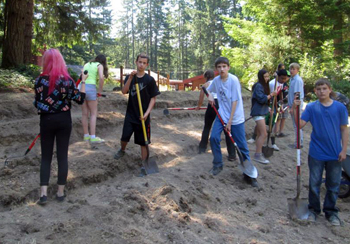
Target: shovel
x=266, y=150
x=166, y=111
x=245, y=166
x=298, y=207
x=148, y=164
x=27, y=151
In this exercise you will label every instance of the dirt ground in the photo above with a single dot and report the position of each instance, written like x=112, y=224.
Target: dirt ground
x=107, y=203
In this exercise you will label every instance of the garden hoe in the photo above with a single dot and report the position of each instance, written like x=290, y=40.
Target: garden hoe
x=149, y=165
x=245, y=166
x=298, y=207
x=27, y=151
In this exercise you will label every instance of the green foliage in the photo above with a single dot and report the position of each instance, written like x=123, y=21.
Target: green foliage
x=342, y=87
x=72, y=74
x=30, y=70
x=13, y=79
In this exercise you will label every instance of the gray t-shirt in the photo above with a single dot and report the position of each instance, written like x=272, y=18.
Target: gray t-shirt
x=228, y=92
x=296, y=84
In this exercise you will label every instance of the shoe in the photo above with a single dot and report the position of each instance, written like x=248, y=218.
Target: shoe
x=251, y=141
x=96, y=140
x=42, y=200
x=254, y=182
x=201, y=150
x=312, y=217
x=86, y=138
x=119, y=154
x=275, y=147
x=334, y=220
x=231, y=158
x=143, y=172
x=61, y=198
x=281, y=135
x=216, y=170
x=259, y=157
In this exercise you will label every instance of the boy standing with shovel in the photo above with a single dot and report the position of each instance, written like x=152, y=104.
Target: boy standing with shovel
x=228, y=90
x=148, y=91
x=327, y=150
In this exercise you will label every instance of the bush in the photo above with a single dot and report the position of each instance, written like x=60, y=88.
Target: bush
x=13, y=79
x=30, y=70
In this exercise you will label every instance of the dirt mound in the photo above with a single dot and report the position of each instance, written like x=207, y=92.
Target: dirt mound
x=107, y=203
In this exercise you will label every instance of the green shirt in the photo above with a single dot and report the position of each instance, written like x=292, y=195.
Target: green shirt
x=92, y=68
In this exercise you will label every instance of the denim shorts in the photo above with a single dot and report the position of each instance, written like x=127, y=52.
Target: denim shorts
x=257, y=118
x=90, y=92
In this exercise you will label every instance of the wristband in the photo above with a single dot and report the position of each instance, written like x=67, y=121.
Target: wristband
x=83, y=82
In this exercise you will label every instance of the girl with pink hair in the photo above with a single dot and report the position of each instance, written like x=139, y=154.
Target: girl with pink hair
x=54, y=90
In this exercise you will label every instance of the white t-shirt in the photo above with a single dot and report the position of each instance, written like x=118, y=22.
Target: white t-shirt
x=212, y=93
x=228, y=92
x=272, y=85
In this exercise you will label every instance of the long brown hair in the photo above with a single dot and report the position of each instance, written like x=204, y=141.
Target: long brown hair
x=102, y=60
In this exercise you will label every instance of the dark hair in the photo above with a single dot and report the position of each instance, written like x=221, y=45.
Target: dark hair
x=209, y=74
x=142, y=55
x=261, y=80
x=280, y=65
x=102, y=60
x=222, y=60
x=324, y=81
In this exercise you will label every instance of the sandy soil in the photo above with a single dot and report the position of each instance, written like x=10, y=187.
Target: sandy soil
x=107, y=203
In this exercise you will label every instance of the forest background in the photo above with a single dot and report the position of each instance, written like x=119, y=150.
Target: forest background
x=183, y=37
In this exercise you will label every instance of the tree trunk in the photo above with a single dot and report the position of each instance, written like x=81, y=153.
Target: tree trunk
x=27, y=52
x=15, y=19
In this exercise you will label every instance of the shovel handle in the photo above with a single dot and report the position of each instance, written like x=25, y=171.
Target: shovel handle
x=141, y=111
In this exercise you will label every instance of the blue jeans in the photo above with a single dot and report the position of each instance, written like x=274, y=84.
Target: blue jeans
x=333, y=178
x=238, y=134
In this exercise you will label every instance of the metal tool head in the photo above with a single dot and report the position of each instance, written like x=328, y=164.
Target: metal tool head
x=267, y=151
x=150, y=166
x=249, y=169
x=298, y=208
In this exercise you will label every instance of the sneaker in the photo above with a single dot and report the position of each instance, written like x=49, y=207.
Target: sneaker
x=43, y=200
x=254, y=182
x=201, y=150
x=216, y=170
x=281, y=135
x=61, y=198
x=275, y=147
x=119, y=154
x=259, y=157
x=334, y=220
x=231, y=157
x=96, y=140
x=86, y=138
x=251, y=141
x=143, y=172
x=312, y=217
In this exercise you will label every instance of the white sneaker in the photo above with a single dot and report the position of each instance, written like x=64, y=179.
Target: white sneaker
x=259, y=157
x=275, y=147
x=251, y=141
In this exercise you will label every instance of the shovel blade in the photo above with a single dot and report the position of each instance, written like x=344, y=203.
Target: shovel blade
x=298, y=208
x=267, y=151
x=150, y=166
x=249, y=169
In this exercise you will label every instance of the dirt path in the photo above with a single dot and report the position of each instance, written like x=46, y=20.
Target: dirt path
x=106, y=203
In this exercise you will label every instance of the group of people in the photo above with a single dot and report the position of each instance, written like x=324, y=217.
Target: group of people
x=54, y=90
x=271, y=99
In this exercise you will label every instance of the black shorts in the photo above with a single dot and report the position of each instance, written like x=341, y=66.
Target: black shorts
x=131, y=127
